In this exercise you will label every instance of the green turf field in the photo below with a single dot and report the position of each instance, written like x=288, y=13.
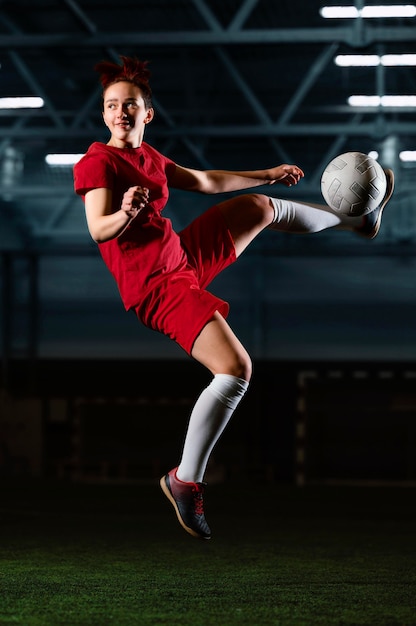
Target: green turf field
x=101, y=555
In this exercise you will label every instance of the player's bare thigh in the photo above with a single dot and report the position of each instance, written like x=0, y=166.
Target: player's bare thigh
x=246, y=216
x=218, y=349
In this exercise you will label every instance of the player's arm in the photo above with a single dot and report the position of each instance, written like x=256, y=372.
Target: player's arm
x=104, y=223
x=222, y=181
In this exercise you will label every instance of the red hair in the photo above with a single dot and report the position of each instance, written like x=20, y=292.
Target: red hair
x=132, y=70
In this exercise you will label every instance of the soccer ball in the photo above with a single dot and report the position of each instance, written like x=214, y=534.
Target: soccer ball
x=353, y=184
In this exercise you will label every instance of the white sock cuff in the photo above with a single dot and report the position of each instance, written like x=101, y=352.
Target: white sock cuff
x=228, y=389
x=274, y=203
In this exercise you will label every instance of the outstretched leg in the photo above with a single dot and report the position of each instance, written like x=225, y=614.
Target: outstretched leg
x=301, y=217
x=247, y=215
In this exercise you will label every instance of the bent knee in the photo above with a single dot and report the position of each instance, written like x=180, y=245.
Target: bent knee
x=240, y=367
x=261, y=206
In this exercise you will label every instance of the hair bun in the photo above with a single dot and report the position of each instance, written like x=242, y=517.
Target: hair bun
x=132, y=70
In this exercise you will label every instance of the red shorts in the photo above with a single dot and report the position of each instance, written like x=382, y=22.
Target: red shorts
x=179, y=306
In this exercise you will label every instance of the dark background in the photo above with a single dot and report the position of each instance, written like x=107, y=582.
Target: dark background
x=86, y=392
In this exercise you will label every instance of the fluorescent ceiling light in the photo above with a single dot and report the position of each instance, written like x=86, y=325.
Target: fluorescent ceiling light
x=339, y=12
x=370, y=60
x=351, y=12
x=408, y=156
x=398, y=59
x=357, y=60
x=62, y=159
x=404, y=10
x=382, y=101
x=21, y=103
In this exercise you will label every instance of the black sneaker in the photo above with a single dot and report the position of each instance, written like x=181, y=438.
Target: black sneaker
x=372, y=221
x=187, y=500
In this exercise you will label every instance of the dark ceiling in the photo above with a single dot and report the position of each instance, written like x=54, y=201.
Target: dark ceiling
x=239, y=84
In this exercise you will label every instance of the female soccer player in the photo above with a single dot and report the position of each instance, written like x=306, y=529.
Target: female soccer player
x=162, y=275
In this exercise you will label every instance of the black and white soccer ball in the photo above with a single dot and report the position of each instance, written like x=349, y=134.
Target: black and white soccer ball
x=353, y=184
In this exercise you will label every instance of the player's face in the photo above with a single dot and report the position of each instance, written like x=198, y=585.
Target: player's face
x=125, y=114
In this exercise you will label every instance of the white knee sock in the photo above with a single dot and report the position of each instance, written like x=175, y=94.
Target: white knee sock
x=209, y=417
x=299, y=217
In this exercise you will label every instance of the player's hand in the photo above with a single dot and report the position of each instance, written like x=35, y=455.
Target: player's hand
x=286, y=175
x=134, y=200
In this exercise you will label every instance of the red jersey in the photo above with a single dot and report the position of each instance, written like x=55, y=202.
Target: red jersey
x=149, y=247
x=161, y=275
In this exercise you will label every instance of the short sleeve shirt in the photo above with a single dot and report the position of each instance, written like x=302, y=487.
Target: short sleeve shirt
x=149, y=247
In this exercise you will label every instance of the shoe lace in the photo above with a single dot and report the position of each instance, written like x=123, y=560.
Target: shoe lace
x=198, y=500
